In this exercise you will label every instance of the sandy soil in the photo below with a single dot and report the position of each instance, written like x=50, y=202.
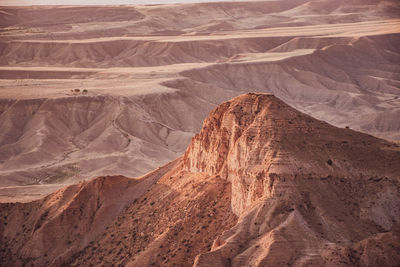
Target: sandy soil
x=153, y=73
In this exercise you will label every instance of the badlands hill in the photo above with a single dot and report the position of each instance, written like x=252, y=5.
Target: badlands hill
x=262, y=184
x=153, y=73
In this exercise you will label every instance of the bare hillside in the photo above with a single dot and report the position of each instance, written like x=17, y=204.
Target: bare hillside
x=108, y=90
x=261, y=184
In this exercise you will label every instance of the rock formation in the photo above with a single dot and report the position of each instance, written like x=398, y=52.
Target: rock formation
x=262, y=184
x=305, y=192
x=152, y=73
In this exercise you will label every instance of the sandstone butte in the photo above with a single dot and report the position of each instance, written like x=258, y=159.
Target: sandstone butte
x=262, y=184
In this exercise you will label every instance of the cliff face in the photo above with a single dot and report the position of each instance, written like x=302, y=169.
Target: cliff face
x=305, y=192
x=261, y=185
x=255, y=137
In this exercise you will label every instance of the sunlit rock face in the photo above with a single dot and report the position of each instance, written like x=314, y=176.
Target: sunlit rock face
x=261, y=184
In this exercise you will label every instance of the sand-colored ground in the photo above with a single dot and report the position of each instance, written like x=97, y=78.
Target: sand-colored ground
x=153, y=73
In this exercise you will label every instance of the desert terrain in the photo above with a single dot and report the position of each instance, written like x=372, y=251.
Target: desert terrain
x=258, y=133
x=151, y=74
x=261, y=184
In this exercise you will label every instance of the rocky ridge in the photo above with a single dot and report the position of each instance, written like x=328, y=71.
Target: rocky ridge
x=261, y=184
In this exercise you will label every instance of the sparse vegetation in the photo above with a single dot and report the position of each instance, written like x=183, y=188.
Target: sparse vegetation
x=79, y=91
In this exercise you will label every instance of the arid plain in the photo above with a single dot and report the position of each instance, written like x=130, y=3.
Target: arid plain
x=210, y=134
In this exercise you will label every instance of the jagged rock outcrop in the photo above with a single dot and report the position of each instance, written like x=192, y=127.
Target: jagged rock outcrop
x=305, y=192
x=256, y=137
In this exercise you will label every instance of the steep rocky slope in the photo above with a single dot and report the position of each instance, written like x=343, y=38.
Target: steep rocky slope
x=261, y=184
x=51, y=230
x=305, y=192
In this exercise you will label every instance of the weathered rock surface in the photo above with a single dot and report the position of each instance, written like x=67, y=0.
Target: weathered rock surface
x=305, y=192
x=262, y=184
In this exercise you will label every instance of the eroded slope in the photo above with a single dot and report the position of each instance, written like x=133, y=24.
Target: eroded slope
x=148, y=75
x=261, y=184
